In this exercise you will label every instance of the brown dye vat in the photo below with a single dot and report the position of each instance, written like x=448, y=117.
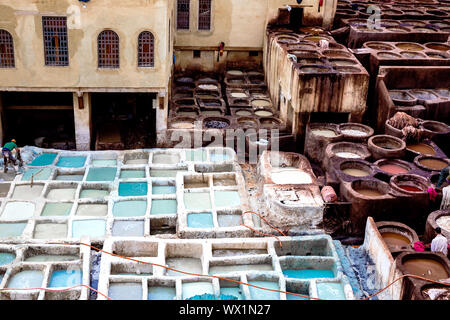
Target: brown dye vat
x=397, y=29
x=412, y=55
x=342, y=62
x=427, y=268
x=422, y=29
x=247, y=122
x=369, y=192
x=313, y=30
x=435, y=55
x=434, y=164
x=378, y=46
x=388, y=55
x=385, y=146
x=422, y=148
x=355, y=168
x=269, y=122
x=336, y=54
x=263, y=113
x=354, y=172
x=347, y=69
x=260, y=103
x=395, y=239
x=409, y=46
x=316, y=38
x=243, y=113
x=315, y=69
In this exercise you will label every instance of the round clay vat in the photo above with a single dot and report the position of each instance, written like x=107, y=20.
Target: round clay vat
x=423, y=95
x=439, y=218
x=315, y=69
x=210, y=102
x=402, y=98
x=336, y=46
x=378, y=46
x=435, y=128
x=428, y=265
x=347, y=69
x=413, y=23
x=182, y=123
x=355, y=169
x=304, y=46
x=421, y=148
x=303, y=61
x=336, y=54
x=311, y=30
x=424, y=292
x=370, y=189
x=389, y=23
x=260, y=103
x=318, y=38
x=185, y=102
x=345, y=150
x=391, y=167
x=443, y=92
x=247, y=122
x=436, y=55
x=234, y=72
x=392, y=131
x=208, y=86
x=212, y=112
x=243, y=112
x=263, y=112
x=409, y=184
x=385, y=146
x=438, y=13
x=185, y=81
x=187, y=111
x=412, y=55
x=357, y=132
x=398, y=29
x=343, y=62
x=317, y=137
x=409, y=46
x=287, y=39
x=430, y=163
x=216, y=123
x=388, y=55
x=397, y=236
x=424, y=29
x=269, y=122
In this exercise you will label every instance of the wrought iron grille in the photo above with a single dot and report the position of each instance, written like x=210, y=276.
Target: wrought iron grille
x=183, y=13
x=6, y=50
x=108, y=49
x=204, y=15
x=56, y=50
x=146, y=49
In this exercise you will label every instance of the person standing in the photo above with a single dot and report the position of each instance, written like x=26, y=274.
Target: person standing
x=7, y=153
x=439, y=243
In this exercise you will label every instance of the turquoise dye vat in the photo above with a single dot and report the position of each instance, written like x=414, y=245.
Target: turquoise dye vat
x=132, y=208
x=261, y=294
x=163, y=207
x=161, y=293
x=330, y=291
x=8, y=230
x=70, y=177
x=128, y=229
x=232, y=291
x=127, y=189
x=200, y=220
x=65, y=278
x=308, y=273
x=93, y=193
x=164, y=189
x=56, y=209
x=219, y=157
x=91, y=228
x=106, y=162
x=26, y=279
x=196, y=288
x=6, y=258
x=130, y=174
x=227, y=198
x=196, y=155
x=37, y=173
x=197, y=201
x=71, y=162
x=125, y=291
x=44, y=159
x=294, y=297
x=101, y=174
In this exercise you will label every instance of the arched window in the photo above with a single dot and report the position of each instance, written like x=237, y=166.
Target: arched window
x=204, y=15
x=146, y=49
x=108, y=49
x=6, y=50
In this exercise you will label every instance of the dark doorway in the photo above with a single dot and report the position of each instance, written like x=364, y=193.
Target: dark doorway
x=44, y=119
x=123, y=121
x=296, y=18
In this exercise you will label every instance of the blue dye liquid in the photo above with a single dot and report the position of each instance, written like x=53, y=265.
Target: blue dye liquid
x=261, y=294
x=71, y=162
x=26, y=279
x=200, y=220
x=293, y=297
x=128, y=229
x=57, y=209
x=164, y=207
x=8, y=230
x=92, y=228
x=132, y=189
x=219, y=157
x=37, y=173
x=101, y=174
x=161, y=293
x=163, y=189
x=196, y=155
x=127, y=174
x=232, y=291
x=125, y=291
x=308, y=273
x=227, y=198
x=6, y=258
x=65, y=278
x=196, y=288
x=44, y=159
x=133, y=208
x=330, y=291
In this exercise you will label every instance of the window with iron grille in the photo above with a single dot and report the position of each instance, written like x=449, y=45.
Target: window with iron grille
x=6, y=50
x=204, y=15
x=55, y=41
x=183, y=10
x=146, y=49
x=108, y=49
